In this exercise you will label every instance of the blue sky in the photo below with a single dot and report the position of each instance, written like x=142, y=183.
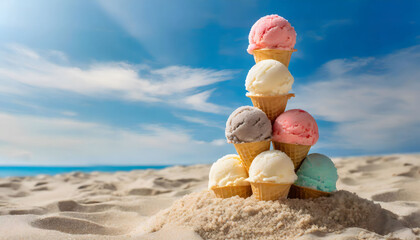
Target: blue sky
x=153, y=82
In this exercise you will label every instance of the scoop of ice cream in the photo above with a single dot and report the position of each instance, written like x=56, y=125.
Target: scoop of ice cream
x=268, y=78
x=272, y=166
x=228, y=171
x=295, y=127
x=318, y=172
x=248, y=124
x=272, y=32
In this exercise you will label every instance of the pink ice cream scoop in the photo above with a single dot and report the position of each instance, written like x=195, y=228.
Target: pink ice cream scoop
x=295, y=127
x=272, y=32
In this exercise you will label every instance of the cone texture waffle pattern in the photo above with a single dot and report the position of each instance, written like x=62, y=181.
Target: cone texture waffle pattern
x=306, y=193
x=230, y=191
x=273, y=106
x=282, y=56
x=270, y=191
x=248, y=151
x=296, y=152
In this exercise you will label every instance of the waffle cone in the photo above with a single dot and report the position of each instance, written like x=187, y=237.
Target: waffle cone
x=248, y=151
x=282, y=56
x=230, y=191
x=273, y=106
x=306, y=193
x=296, y=152
x=269, y=191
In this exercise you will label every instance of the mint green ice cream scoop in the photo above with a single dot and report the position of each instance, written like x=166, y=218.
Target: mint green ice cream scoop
x=317, y=172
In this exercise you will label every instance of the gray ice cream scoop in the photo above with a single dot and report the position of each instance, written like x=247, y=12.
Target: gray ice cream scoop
x=248, y=124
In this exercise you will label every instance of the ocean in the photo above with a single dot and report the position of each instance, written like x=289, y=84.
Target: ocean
x=20, y=171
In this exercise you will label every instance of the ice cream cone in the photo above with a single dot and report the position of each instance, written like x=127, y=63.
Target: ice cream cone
x=296, y=152
x=230, y=191
x=282, y=56
x=273, y=106
x=306, y=193
x=248, y=151
x=269, y=191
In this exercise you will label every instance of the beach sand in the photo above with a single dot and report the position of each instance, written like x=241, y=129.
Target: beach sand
x=378, y=198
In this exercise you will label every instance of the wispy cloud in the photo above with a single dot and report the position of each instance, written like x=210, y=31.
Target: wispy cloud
x=372, y=102
x=19, y=106
x=336, y=22
x=200, y=102
x=219, y=142
x=159, y=33
x=321, y=32
x=37, y=140
x=179, y=86
x=69, y=113
x=201, y=121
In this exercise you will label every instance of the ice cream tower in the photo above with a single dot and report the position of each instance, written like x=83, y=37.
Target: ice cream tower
x=287, y=170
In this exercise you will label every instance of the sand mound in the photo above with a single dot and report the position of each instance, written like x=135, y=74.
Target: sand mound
x=237, y=218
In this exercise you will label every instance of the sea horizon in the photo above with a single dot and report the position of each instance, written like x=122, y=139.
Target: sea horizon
x=33, y=170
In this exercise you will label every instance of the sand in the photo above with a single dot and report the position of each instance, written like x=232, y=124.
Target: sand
x=379, y=198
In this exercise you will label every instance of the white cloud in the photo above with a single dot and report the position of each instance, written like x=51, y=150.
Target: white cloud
x=201, y=121
x=372, y=102
x=118, y=80
x=69, y=113
x=9, y=154
x=170, y=35
x=336, y=23
x=338, y=67
x=57, y=55
x=200, y=102
x=219, y=142
x=321, y=32
x=60, y=141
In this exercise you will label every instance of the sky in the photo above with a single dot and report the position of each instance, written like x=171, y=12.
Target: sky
x=153, y=82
